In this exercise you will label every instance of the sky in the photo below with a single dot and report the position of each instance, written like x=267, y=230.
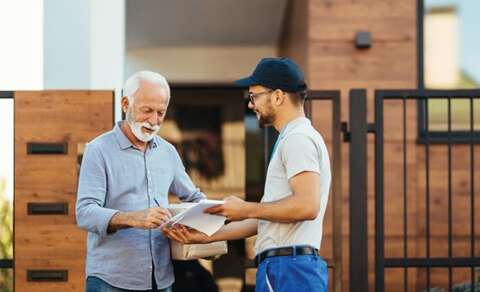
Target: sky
x=469, y=23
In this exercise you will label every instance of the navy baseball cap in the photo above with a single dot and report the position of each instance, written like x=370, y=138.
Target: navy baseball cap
x=276, y=73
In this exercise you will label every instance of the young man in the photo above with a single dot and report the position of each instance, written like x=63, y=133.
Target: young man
x=288, y=220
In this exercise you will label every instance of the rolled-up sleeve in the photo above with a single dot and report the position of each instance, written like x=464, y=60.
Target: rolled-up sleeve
x=182, y=186
x=91, y=193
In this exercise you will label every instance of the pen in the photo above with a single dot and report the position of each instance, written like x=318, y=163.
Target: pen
x=158, y=205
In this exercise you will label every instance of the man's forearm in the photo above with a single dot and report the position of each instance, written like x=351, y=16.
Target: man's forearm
x=121, y=220
x=236, y=230
x=289, y=209
x=302, y=204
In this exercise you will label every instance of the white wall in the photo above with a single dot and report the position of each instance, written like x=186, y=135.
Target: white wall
x=67, y=44
x=197, y=64
x=21, y=49
x=107, y=47
x=107, y=43
x=84, y=45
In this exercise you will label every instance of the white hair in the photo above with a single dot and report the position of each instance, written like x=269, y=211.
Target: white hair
x=133, y=83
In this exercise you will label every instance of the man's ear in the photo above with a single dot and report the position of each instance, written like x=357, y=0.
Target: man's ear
x=278, y=97
x=125, y=104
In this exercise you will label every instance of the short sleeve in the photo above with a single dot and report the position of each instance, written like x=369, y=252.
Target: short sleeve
x=299, y=153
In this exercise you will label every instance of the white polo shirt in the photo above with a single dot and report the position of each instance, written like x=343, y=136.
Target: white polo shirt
x=299, y=148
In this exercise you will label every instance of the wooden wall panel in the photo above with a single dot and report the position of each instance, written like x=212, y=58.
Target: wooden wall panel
x=339, y=20
x=71, y=115
x=76, y=274
x=53, y=242
x=41, y=171
x=294, y=42
x=341, y=62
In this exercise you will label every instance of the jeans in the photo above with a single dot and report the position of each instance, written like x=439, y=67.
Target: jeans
x=95, y=284
x=292, y=273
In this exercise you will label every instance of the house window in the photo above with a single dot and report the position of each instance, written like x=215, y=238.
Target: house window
x=450, y=61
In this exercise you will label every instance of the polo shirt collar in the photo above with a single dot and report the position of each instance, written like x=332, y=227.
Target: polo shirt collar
x=294, y=123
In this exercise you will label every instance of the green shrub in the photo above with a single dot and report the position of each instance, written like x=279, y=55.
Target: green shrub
x=6, y=237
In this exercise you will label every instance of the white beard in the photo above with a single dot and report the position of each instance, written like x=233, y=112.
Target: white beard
x=137, y=127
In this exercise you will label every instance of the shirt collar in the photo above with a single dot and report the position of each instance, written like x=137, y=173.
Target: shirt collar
x=293, y=124
x=125, y=143
x=121, y=137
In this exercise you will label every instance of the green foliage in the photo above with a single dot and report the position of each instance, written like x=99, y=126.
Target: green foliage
x=6, y=238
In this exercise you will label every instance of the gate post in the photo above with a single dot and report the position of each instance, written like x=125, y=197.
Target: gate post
x=358, y=236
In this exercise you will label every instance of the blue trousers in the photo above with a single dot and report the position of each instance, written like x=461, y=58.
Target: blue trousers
x=95, y=284
x=292, y=273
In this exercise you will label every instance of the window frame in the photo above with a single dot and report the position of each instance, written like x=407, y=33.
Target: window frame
x=424, y=135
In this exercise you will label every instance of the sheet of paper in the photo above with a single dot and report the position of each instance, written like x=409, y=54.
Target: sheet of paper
x=194, y=217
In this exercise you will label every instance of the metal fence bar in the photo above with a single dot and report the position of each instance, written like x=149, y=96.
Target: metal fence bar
x=432, y=262
x=472, y=194
x=358, y=192
x=379, y=188
x=427, y=191
x=405, y=201
x=337, y=193
x=6, y=94
x=449, y=118
x=433, y=94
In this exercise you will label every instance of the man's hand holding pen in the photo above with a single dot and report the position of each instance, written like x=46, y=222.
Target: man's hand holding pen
x=145, y=219
x=151, y=217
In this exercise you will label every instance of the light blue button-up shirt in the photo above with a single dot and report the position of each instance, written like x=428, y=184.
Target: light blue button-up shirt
x=115, y=176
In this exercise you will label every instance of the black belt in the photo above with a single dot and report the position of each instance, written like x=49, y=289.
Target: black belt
x=285, y=251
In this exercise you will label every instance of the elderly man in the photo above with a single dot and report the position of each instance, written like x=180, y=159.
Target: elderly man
x=289, y=218
x=125, y=178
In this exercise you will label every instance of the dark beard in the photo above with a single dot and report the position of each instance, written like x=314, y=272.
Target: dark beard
x=265, y=121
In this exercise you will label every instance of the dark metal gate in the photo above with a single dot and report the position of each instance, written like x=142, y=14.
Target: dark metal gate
x=442, y=248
